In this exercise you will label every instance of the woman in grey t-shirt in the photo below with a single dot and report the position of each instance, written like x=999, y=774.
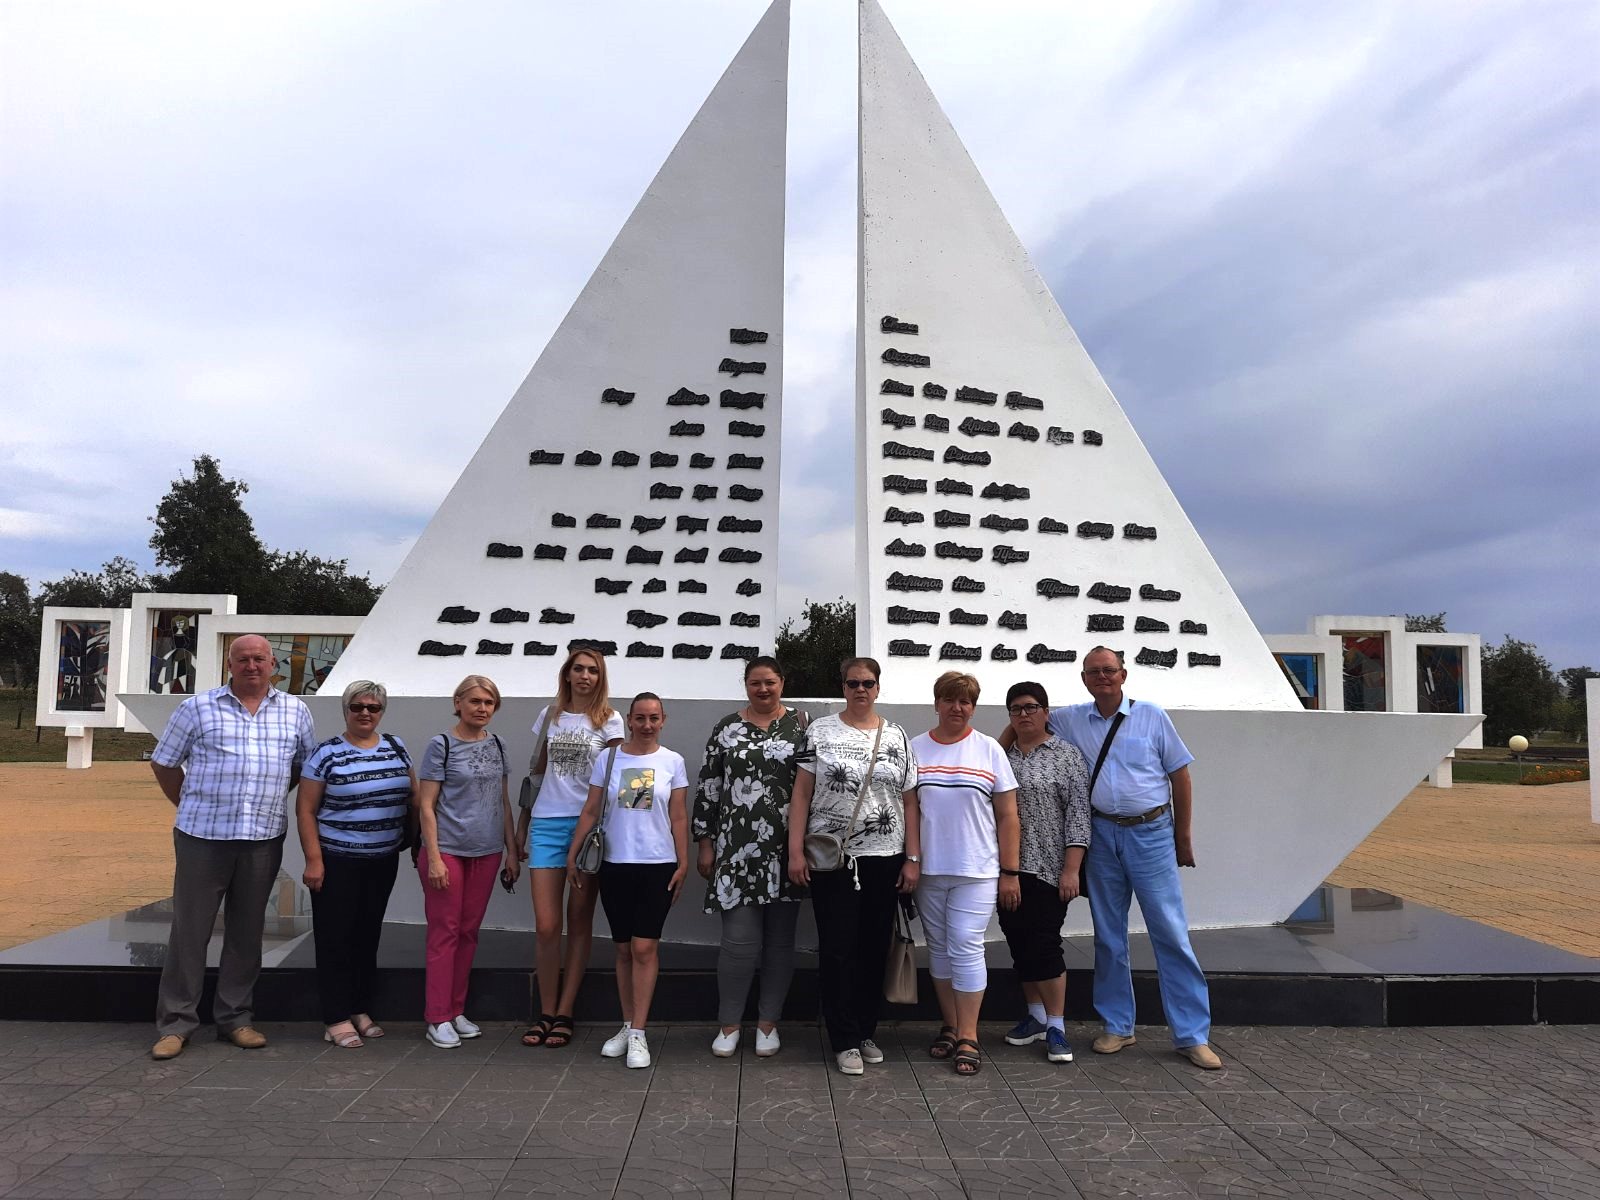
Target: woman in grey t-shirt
x=467, y=833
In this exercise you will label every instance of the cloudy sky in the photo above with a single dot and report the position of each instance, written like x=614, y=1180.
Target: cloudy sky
x=1338, y=262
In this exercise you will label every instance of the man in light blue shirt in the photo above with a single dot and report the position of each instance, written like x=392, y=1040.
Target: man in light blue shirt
x=1140, y=799
x=226, y=761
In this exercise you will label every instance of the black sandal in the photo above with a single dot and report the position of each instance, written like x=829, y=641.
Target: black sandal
x=560, y=1033
x=967, y=1062
x=944, y=1045
x=538, y=1032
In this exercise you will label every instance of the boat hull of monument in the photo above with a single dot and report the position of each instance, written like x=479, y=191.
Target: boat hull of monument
x=1281, y=798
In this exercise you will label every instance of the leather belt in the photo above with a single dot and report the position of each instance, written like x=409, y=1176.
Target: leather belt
x=1142, y=819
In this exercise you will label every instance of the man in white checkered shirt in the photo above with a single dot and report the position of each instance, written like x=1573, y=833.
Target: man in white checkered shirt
x=226, y=760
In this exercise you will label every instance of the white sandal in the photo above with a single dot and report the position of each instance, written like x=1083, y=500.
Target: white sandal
x=348, y=1040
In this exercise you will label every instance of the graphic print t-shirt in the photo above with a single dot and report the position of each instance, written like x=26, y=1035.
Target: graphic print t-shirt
x=956, y=784
x=470, y=818
x=639, y=812
x=573, y=746
x=837, y=754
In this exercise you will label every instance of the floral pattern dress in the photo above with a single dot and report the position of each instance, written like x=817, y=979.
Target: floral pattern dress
x=742, y=805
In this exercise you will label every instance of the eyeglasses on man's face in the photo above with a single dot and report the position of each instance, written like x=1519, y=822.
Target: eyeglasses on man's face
x=1103, y=672
x=366, y=708
x=854, y=684
x=1025, y=710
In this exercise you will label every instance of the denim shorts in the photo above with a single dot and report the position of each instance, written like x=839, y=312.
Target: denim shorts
x=549, y=839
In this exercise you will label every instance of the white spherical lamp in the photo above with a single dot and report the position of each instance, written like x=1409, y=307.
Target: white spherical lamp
x=1518, y=743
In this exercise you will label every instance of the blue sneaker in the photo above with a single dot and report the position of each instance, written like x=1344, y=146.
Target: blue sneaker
x=1025, y=1031
x=1056, y=1046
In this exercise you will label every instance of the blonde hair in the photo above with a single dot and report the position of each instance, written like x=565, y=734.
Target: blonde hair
x=474, y=681
x=956, y=685
x=599, y=710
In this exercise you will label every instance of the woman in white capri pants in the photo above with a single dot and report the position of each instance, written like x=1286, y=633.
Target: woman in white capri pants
x=967, y=796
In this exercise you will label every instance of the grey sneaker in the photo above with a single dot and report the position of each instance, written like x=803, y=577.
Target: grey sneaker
x=849, y=1062
x=870, y=1052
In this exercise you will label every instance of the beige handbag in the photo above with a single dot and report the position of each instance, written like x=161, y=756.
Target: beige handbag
x=900, y=973
x=825, y=851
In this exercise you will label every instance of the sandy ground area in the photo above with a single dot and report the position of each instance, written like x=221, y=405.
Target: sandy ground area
x=89, y=844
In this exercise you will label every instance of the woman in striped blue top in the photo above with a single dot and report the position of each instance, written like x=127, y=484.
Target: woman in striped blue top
x=354, y=814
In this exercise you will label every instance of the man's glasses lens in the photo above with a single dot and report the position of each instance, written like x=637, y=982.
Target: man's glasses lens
x=1107, y=671
x=366, y=708
x=1025, y=710
x=853, y=684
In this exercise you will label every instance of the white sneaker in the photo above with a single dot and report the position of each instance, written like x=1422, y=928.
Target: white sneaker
x=725, y=1045
x=616, y=1045
x=443, y=1035
x=466, y=1028
x=638, y=1049
x=767, y=1044
x=849, y=1062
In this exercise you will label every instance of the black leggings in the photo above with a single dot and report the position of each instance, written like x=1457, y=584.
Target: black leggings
x=853, y=945
x=347, y=915
x=1033, y=931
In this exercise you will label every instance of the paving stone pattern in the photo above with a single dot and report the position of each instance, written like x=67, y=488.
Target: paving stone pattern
x=1302, y=1113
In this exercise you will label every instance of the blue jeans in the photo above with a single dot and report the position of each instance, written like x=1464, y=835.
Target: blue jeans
x=1140, y=860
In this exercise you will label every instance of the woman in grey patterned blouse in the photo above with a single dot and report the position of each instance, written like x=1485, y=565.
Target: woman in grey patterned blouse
x=1053, y=804
x=741, y=814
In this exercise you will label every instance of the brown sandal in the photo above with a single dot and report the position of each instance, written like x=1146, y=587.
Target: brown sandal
x=967, y=1062
x=944, y=1045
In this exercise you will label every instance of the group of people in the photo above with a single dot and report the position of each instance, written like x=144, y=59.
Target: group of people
x=850, y=810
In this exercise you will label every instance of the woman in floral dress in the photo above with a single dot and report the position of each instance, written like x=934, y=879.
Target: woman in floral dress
x=740, y=821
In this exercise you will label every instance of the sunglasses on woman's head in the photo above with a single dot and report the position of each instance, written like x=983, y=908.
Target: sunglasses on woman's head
x=366, y=708
x=854, y=684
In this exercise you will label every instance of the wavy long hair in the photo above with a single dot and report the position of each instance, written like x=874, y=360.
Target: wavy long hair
x=599, y=710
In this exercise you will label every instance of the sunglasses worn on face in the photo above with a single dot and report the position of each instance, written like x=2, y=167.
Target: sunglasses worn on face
x=366, y=708
x=853, y=684
x=1025, y=710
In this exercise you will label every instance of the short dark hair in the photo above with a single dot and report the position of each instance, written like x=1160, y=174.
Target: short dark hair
x=1027, y=688
x=767, y=661
x=646, y=696
x=1107, y=650
x=870, y=664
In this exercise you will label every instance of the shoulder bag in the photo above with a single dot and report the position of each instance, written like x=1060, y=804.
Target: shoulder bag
x=532, y=781
x=825, y=851
x=593, y=851
x=900, y=972
x=1105, y=748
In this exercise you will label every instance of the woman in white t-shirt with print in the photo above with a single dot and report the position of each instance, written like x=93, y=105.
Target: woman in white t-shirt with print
x=643, y=789
x=572, y=732
x=967, y=795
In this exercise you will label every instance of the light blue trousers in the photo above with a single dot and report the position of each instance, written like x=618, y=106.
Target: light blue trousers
x=1127, y=861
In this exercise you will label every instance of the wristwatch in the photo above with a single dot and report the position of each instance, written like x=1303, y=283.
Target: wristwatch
x=1008, y=871
x=914, y=858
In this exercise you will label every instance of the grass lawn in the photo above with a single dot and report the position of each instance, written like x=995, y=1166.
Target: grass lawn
x=18, y=744
x=1504, y=772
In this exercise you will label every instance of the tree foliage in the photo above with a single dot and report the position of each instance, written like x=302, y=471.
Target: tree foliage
x=112, y=586
x=204, y=533
x=1572, y=710
x=1519, y=691
x=812, y=653
x=19, y=632
x=1425, y=623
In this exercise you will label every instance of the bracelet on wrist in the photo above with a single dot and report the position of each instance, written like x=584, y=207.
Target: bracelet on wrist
x=1009, y=872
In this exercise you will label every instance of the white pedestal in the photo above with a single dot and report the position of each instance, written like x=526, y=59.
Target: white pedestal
x=80, y=747
x=1591, y=695
x=1443, y=775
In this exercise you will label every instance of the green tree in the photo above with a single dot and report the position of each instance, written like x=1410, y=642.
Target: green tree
x=1519, y=691
x=19, y=632
x=205, y=535
x=112, y=586
x=1574, y=707
x=1425, y=623
x=812, y=653
x=303, y=583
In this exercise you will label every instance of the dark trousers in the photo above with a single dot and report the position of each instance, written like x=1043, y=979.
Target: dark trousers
x=1033, y=931
x=853, y=945
x=236, y=876
x=347, y=917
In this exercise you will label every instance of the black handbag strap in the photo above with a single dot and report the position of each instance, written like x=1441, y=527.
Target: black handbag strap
x=1105, y=748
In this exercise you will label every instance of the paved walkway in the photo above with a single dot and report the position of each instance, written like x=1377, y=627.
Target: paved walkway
x=1523, y=859
x=1506, y=1112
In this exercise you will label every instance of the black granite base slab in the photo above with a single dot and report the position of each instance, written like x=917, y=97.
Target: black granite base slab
x=1358, y=958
